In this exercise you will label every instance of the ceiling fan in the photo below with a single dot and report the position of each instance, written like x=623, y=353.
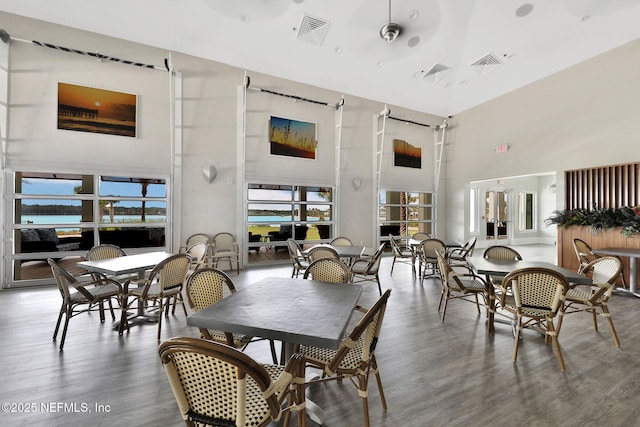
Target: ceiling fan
x=410, y=24
x=390, y=31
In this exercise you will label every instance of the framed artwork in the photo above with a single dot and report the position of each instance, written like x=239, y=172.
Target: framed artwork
x=406, y=155
x=87, y=109
x=292, y=138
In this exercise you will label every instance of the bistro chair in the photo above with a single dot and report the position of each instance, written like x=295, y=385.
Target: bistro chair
x=457, y=285
x=341, y=241
x=535, y=296
x=502, y=253
x=298, y=260
x=225, y=247
x=420, y=236
x=328, y=270
x=207, y=286
x=586, y=256
x=218, y=385
x=355, y=357
x=427, y=258
x=196, y=238
x=76, y=295
x=580, y=298
x=103, y=252
x=322, y=251
x=165, y=283
x=460, y=256
x=198, y=253
x=401, y=253
x=366, y=269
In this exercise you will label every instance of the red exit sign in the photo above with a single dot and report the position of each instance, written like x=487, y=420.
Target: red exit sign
x=502, y=148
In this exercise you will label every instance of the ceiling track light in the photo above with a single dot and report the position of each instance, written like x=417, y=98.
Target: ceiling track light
x=390, y=31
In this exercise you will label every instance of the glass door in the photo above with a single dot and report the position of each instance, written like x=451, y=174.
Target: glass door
x=496, y=215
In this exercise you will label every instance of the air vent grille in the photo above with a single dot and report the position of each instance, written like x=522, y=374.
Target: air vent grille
x=436, y=73
x=312, y=30
x=486, y=64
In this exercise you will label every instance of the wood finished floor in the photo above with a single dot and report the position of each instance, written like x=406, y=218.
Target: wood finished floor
x=434, y=374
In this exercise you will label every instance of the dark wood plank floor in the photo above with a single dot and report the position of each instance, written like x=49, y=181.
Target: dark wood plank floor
x=434, y=374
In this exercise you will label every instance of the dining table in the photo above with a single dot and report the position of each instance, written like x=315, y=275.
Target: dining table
x=137, y=264
x=490, y=267
x=351, y=253
x=294, y=311
x=633, y=254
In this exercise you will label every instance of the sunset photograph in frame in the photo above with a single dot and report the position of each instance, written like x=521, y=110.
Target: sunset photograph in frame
x=292, y=138
x=406, y=155
x=88, y=109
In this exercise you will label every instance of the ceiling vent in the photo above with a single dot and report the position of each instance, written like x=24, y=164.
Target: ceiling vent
x=486, y=64
x=436, y=73
x=312, y=30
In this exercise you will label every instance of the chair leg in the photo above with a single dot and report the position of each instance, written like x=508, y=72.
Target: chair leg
x=374, y=365
x=517, y=337
x=159, y=317
x=66, y=325
x=554, y=337
x=605, y=313
x=62, y=311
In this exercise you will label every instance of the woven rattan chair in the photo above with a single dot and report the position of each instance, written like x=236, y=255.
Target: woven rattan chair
x=328, y=270
x=457, y=285
x=535, y=296
x=217, y=385
x=164, y=283
x=427, y=259
x=225, y=247
x=322, y=251
x=298, y=260
x=501, y=253
x=421, y=236
x=355, y=358
x=196, y=238
x=604, y=273
x=586, y=256
x=198, y=253
x=401, y=253
x=366, y=269
x=103, y=252
x=460, y=256
x=207, y=286
x=76, y=295
x=341, y=241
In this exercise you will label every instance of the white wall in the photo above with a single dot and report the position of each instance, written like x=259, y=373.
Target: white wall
x=210, y=126
x=587, y=115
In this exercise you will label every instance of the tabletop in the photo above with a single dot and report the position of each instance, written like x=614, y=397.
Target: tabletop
x=126, y=264
x=629, y=252
x=290, y=310
x=501, y=267
x=447, y=243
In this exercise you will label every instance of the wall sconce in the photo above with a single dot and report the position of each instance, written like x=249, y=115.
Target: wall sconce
x=209, y=173
x=356, y=183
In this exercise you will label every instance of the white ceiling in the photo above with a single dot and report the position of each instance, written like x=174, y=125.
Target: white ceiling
x=262, y=36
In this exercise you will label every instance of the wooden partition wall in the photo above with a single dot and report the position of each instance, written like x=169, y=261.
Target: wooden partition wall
x=602, y=187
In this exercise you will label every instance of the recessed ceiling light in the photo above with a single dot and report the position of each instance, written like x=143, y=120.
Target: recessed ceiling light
x=413, y=41
x=524, y=10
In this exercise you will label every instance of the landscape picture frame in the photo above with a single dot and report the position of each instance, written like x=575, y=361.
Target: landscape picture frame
x=94, y=110
x=292, y=138
x=406, y=155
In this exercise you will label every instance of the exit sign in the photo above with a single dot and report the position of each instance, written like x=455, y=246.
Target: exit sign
x=502, y=148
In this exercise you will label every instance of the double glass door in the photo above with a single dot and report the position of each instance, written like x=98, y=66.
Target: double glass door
x=496, y=215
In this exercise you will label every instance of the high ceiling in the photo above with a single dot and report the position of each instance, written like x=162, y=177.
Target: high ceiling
x=336, y=44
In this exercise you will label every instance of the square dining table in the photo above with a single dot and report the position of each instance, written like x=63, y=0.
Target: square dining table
x=294, y=311
x=130, y=264
x=634, y=255
x=490, y=267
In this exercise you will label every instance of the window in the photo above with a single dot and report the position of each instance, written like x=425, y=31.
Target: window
x=526, y=211
x=403, y=213
x=276, y=213
x=62, y=214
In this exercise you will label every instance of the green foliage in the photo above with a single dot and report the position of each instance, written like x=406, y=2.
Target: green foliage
x=599, y=219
